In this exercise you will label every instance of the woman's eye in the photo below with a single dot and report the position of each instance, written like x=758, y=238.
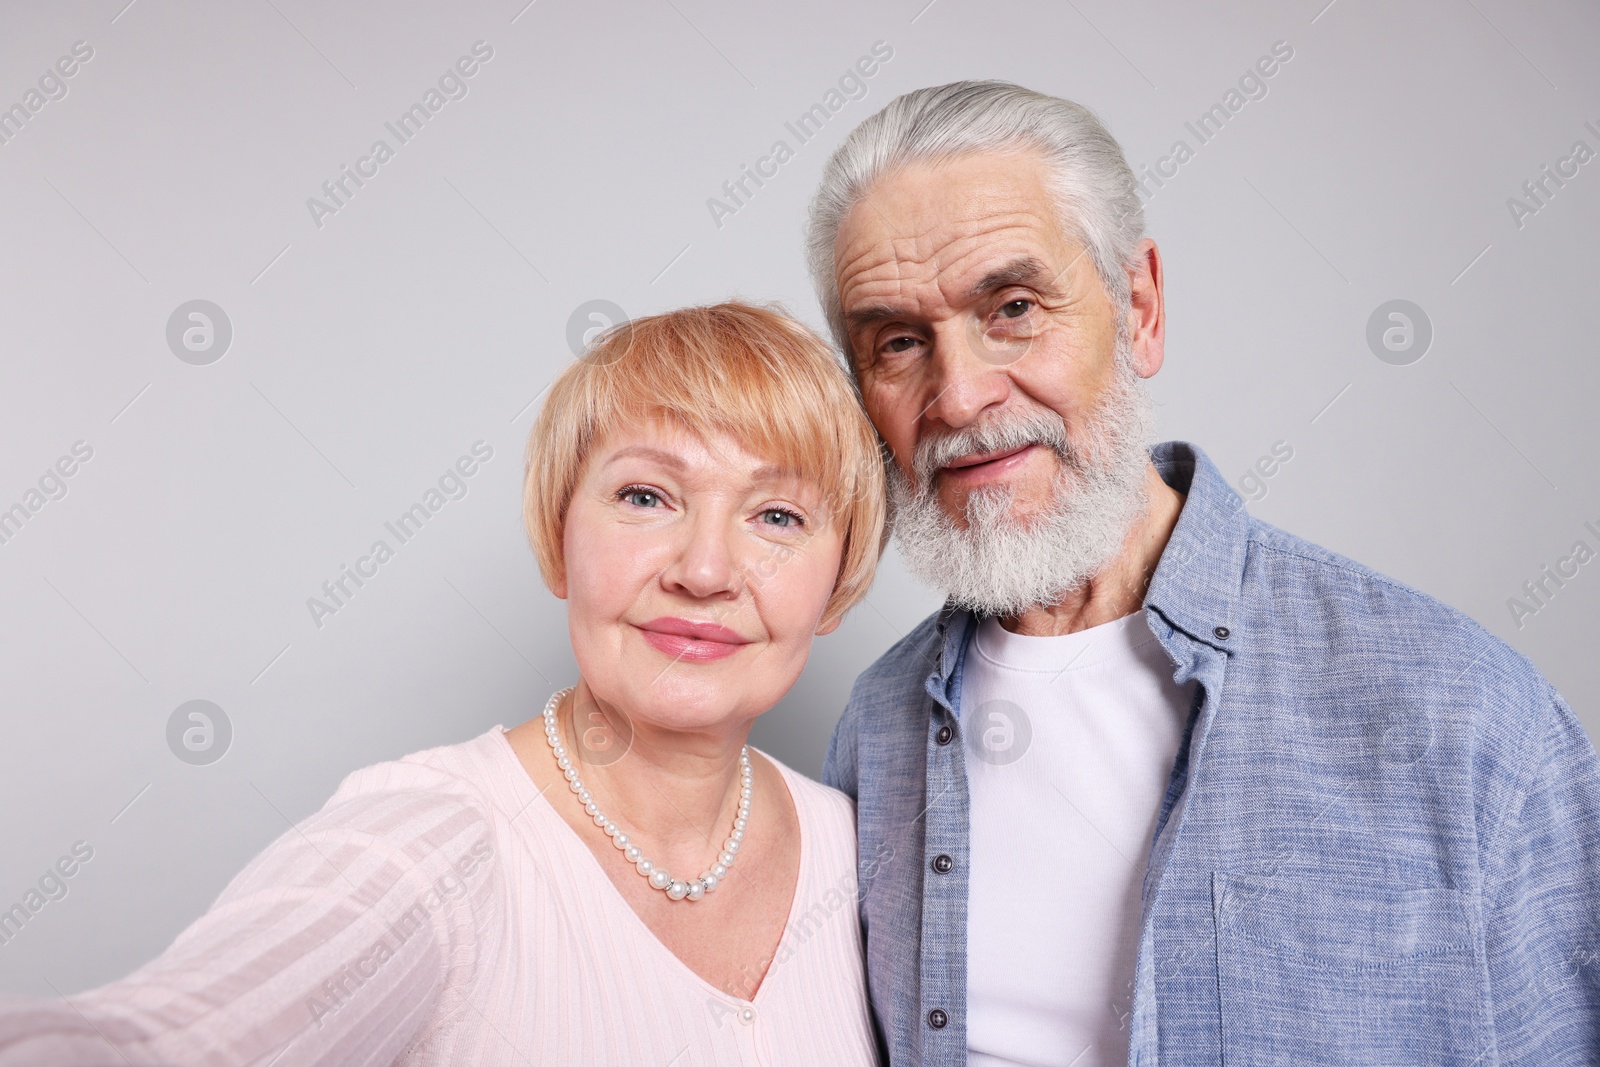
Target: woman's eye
x=1015, y=309
x=640, y=498
x=781, y=517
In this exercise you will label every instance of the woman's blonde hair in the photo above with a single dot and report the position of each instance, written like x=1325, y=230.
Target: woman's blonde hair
x=751, y=373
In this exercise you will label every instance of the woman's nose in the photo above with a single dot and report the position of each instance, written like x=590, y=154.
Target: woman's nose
x=706, y=565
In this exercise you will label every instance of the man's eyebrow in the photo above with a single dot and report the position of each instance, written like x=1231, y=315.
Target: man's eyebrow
x=1024, y=269
x=871, y=315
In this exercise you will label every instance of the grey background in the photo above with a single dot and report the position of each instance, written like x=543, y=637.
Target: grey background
x=432, y=309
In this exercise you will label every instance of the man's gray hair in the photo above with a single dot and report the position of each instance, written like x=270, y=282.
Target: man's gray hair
x=1096, y=198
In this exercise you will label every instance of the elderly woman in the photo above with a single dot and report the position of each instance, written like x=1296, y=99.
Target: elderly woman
x=621, y=879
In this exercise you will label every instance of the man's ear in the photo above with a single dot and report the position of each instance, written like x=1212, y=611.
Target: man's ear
x=1147, y=314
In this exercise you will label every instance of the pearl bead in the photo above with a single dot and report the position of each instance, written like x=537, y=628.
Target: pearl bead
x=709, y=881
x=563, y=762
x=737, y=835
x=645, y=867
x=587, y=797
x=589, y=806
x=745, y=793
x=612, y=829
x=621, y=840
x=677, y=890
x=730, y=845
x=632, y=854
x=740, y=823
x=575, y=786
x=726, y=859
x=660, y=879
x=720, y=871
x=696, y=891
x=570, y=774
x=600, y=818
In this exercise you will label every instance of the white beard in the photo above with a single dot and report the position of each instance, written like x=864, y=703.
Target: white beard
x=1000, y=566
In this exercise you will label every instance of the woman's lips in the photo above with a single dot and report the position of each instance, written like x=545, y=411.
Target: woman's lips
x=686, y=639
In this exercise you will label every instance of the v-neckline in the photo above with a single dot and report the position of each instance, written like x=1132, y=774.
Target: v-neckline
x=617, y=902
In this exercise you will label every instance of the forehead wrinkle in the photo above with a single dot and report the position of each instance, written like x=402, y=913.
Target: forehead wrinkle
x=925, y=190
x=926, y=242
x=842, y=268
x=983, y=254
x=950, y=267
x=982, y=208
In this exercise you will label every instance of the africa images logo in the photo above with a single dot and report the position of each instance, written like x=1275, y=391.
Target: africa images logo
x=451, y=485
x=452, y=85
x=851, y=85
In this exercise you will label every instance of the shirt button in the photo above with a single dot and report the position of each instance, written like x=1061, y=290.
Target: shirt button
x=944, y=735
x=943, y=863
x=747, y=1015
x=937, y=1018
x=1222, y=633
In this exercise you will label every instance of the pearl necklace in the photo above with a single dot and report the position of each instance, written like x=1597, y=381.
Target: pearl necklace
x=657, y=876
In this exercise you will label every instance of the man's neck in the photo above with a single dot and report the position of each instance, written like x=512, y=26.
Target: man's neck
x=1120, y=586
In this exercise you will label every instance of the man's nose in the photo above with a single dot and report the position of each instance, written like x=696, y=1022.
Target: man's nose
x=962, y=384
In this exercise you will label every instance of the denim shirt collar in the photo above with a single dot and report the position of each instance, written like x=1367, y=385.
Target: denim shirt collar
x=1195, y=590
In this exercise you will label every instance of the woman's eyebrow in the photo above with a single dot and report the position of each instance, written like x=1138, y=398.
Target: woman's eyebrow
x=774, y=472
x=765, y=474
x=660, y=455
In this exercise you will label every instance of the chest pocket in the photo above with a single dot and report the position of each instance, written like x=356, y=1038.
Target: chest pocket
x=1326, y=973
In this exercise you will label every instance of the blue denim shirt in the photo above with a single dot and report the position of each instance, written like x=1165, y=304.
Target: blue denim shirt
x=1379, y=844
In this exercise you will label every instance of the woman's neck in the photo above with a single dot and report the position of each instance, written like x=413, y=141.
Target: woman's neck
x=671, y=790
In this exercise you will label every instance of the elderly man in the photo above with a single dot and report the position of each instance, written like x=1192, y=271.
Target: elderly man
x=1160, y=783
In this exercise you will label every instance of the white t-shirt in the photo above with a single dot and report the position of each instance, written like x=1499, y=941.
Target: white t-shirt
x=1070, y=742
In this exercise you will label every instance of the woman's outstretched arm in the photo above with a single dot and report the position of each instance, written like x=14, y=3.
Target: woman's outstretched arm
x=342, y=942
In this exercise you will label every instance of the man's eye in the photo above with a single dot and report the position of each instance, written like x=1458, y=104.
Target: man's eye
x=1015, y=308
x=781, y=517
x=899, y=344
x=639, y=498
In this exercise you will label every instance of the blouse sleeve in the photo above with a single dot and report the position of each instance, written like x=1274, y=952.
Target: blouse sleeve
x=339, y=944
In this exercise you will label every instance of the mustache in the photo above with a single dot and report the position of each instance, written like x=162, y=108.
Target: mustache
x=1000, y=434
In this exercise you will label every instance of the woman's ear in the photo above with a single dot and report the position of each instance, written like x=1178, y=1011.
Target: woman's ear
x=829, y=626
x=559, y=585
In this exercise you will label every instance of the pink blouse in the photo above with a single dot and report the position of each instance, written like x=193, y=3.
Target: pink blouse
x=438, y=910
